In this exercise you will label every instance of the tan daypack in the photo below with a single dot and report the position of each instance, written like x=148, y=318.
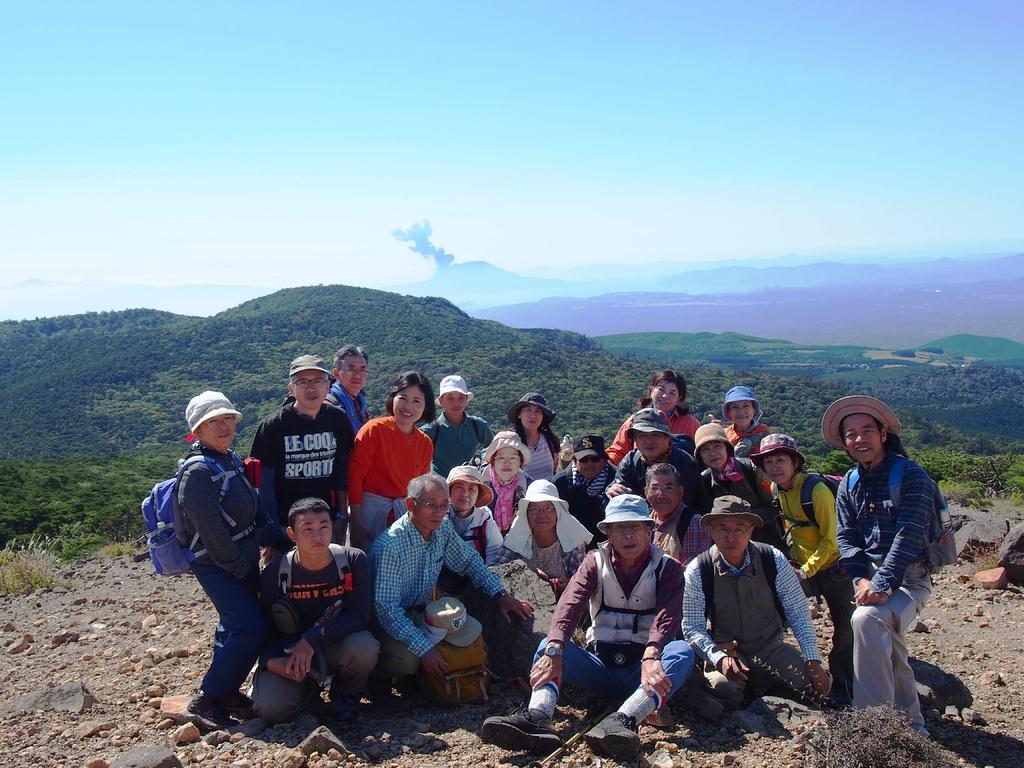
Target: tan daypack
x=467, y=678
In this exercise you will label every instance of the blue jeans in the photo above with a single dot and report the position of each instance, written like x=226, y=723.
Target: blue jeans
x=240, y=633
x=586, y=670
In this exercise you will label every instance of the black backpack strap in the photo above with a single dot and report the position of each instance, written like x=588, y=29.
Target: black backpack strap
x=771, y=572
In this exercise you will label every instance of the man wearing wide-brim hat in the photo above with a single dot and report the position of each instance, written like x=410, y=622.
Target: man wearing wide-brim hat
x=885, y=507
x=632, y=591
x=737, y=597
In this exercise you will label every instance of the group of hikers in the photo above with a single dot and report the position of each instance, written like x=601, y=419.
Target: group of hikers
x=336, y=554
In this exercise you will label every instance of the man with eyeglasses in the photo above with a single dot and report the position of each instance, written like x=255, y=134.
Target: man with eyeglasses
x=678, y=531
x=582, y=484
x=346, y=392
x=406, y=560
x=304, y=448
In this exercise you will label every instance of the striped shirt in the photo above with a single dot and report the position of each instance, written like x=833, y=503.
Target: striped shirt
x=871, y=532
x=405, y=571
x=787, y=586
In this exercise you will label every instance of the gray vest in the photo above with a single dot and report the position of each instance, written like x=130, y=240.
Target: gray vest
x=744, y=608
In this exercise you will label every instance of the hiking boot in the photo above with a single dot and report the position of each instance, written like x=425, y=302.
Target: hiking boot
x=344, y=707
x=208, y=713
x=615, y=736
x=523, y=729
x=379, y=690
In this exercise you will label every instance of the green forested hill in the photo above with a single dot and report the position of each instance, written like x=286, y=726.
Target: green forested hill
x=92, y=405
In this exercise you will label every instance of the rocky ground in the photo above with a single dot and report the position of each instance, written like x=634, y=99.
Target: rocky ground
x=136, y=641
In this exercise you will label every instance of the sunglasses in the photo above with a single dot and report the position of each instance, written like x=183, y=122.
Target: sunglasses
x=589, y=460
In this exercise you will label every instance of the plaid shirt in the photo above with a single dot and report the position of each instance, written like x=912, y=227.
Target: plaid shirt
x=791, y=596
x=872, y=532
x=695, y=540
x=405, y=570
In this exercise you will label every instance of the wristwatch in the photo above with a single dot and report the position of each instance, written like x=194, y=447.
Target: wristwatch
x=553, y=650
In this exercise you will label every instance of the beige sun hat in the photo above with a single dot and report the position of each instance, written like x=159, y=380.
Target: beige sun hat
x=832, y=420
x=470, y=474
x=205, y=406
x=507, y=439
x=449, y=614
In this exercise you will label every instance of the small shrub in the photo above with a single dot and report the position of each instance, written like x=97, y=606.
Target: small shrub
x=876, y=737
x=26, y=568
x=966, y=494
x=117, y=549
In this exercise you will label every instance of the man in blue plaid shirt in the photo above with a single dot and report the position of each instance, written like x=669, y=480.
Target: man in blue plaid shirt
x=406, y=561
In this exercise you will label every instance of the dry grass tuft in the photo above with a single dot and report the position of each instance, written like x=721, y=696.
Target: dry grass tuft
x=877, y=737
x=26, y=568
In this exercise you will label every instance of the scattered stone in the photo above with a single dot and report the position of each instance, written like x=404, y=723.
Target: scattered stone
x=155, y=691
x=174, y=707
x=322, y=740
x=250, y=728
x=939, y=689
x=62, y=637
x=19, y=645
x=973, y=717
x=85, y=730
x=147, y=757
x=728, y=759
x=187, y=734
x=9, y=626
x=660, y=758
x=216, y=738
x=952, y=712
x=70, y=697
x=992, y=678
x=993, y=578
x=747, y=721
x=373, y=753
x=97, y=762
x=921, y=627
x=150, y=621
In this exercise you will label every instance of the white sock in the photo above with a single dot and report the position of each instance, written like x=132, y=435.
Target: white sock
x=639, y=705
x=544, y=699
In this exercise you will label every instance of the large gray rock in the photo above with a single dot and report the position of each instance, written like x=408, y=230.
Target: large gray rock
x=510, y=646
x=147, y=757
x=1011, y=554
x=938, y=689
x=981, y=530
x=70, y=697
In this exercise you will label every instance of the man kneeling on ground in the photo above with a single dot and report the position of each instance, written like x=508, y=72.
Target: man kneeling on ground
x=407, y=560
x=744, y=589
x=633, y=592
x=318, y=596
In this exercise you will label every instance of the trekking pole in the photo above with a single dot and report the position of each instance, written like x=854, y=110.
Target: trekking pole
x=570, y=742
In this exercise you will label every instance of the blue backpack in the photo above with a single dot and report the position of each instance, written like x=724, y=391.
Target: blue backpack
x=940, y=548
x=169, y=556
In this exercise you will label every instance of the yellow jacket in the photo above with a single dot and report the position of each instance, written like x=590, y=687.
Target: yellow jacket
x=814, y=546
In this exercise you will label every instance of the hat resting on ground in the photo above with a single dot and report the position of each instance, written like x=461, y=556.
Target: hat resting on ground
x=467, y=473
x=308, y=363
x=627, y=508
x=778, y=443
x=530, y=398
x=453, y=383
x=726, y=508
x=711, y=433
x=570, y=531
x=587, y=445
x=738, y=393
x=449, y=614
x=507, y=439
x=205, y=406
x=649, y=420
x=832, y=419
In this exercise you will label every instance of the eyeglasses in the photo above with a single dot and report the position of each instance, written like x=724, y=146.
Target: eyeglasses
x=434, y=507
x=347, y=369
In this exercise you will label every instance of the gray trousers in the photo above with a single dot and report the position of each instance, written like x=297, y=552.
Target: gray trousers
x=277, y=699
x=774, y=661
x=881, y=671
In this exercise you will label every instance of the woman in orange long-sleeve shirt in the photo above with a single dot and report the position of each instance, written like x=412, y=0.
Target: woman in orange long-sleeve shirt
x=389, y=451
x=667, y=393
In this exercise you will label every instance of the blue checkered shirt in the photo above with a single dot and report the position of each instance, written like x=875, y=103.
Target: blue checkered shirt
x=405, y=571
x=791, y=596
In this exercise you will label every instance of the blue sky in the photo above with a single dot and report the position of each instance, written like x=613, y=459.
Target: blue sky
x=282, y=144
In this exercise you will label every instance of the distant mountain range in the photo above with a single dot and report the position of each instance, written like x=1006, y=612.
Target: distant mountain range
x=878, y=312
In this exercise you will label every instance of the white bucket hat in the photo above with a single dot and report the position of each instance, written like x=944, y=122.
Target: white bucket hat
x=453, y=383
x=205, y=406
x=507, y=439
x=571, y=532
